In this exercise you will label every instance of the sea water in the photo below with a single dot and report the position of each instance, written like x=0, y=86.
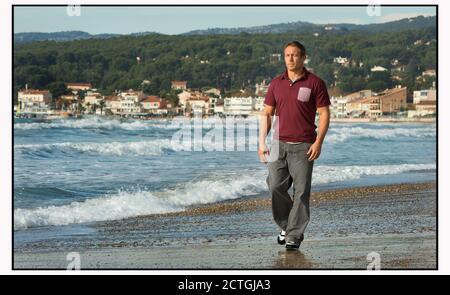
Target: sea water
x=69, y=172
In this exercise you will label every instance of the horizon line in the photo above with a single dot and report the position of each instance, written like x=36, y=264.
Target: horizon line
x=425, y=15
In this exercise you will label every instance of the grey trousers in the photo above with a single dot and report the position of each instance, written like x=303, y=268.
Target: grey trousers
x=288, y=164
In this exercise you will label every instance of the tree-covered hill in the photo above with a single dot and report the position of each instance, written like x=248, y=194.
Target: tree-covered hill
x=229, y=62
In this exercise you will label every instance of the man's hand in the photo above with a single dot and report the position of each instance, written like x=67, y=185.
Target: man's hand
x=263, y=151
x=264, y=128
x=314, y=151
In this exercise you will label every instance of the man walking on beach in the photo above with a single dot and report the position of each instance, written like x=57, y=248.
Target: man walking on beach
x=293, y=97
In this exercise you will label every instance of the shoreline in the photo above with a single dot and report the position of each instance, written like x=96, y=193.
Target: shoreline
x=332, y=120
x=260, y=202
x=398, y=221
x=383, y=120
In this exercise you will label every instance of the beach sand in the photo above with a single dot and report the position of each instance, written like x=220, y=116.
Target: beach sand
x=396, y=223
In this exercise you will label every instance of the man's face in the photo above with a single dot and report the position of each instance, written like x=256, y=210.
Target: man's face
x=293, y=58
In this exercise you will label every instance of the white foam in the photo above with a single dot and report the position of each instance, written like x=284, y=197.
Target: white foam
x=342, y=134
x=97, y=123
x=128, y=204
x=141, y=148
x=337, y=133
x=138, y=148
x=107, y=208
x=225, y=187
x=328, y=174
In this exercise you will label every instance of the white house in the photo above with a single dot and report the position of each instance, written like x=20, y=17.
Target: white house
x=182, y=85
x=218, y=108
x=112, y=103
x=75, y=87
x=183, y=97
x=238, y=106
x=424, y=95
x=129, y=102
x=199, y=106
x=67, y=102
x=338, y=108
x=429, y=73
x=340, y=60
x=213, y=91
x=129, y=107
x=378, y=69
x=423, y=108
x=34, y=100
x=92, y=98
x=155, y=105
x=132, y=95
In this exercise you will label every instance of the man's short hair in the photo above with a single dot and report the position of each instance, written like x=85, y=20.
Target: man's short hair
x=298, y=45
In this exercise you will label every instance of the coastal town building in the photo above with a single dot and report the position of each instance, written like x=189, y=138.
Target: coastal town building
x=112, y=103
x=378, y=69
x=424, y=95
x=183, y=97
x=156, y=105
x=429, y=73
x=212, y=91
x=92, y=101
x=75, y=87
x=218, y=107
x=201, y=102
x=349, y=105
x=130, y=103
x=132, y=95
x=343, y=61
x=338, y=107
x=179, y=85
x=238, y=106
x=388, y=102
x=198, y=105
x=393, y=100
x=34, y=100
x=129, y=107
x=67, y=102
x=425, y=108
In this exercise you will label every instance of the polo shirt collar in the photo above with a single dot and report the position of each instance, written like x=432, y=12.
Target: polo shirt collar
x=286, y=77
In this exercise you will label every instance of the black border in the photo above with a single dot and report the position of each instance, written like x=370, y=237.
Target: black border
x=227, y=269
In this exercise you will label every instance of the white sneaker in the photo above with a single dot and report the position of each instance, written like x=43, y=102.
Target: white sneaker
x=281, y=238
x=293, y=244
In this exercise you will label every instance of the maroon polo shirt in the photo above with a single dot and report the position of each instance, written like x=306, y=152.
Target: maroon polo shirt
x=296, y=104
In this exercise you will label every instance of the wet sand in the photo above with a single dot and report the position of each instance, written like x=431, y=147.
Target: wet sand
x=396, y=222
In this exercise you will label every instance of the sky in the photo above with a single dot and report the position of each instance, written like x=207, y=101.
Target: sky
x=177, y=20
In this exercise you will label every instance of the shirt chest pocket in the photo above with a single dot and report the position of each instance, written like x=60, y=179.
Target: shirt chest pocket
x=304, y=94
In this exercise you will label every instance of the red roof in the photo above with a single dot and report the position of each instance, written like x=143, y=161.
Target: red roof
x=79, y=84
x=34, y=91
x=179, y=82
x=152, y=98
x=426, y=103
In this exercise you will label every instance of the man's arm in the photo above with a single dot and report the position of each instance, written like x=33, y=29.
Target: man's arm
x=264, y=127
x=324, y=123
